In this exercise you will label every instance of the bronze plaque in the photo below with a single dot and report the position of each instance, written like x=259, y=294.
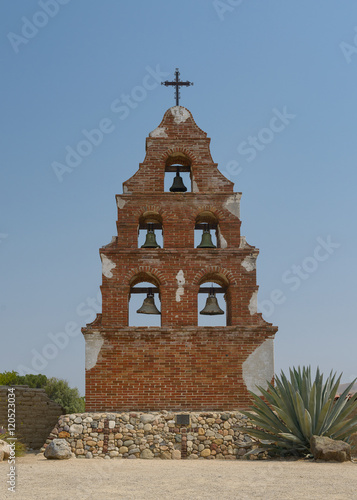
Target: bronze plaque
x=183, y=419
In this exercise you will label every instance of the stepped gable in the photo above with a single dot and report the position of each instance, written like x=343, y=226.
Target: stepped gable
x=178, y=139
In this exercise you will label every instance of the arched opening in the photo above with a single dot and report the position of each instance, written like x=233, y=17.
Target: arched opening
x=178, y=173
x=144, y=297
x=150, y=231
x=206, y=230
x=212, y=302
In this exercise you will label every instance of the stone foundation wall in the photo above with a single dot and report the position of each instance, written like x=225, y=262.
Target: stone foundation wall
x=155, y=435
x=36, y=414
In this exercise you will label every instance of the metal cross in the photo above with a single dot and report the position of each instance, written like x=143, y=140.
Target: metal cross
x=177, y=83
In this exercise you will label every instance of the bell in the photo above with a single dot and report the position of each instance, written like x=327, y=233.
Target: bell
x=178, y=185
x=211, y=308
x=206, y=241
x=150, y=241
x=149, y=306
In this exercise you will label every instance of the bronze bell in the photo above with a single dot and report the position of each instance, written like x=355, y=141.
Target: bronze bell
x=149, y=306
x=211, y=308
x=178, y=185
x=206, y=241
x=150, y=241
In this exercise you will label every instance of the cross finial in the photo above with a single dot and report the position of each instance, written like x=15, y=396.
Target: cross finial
x=177, y=83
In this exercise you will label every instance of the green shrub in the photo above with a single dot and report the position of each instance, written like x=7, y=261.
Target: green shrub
x=9, y=378
x=33, y=381
x=57, y=389
x=299, y=408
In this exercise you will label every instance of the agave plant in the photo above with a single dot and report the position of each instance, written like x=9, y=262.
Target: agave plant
x=300, y=408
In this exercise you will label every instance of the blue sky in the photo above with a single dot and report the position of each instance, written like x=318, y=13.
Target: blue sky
x=67, y=71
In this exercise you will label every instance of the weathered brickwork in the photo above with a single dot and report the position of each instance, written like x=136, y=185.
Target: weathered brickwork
x=178, y=366
x=35, y=414
x=150, y=369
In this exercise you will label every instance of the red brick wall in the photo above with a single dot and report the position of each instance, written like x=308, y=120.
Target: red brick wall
x=197, y=265
x=172, y=368
x=178, y=212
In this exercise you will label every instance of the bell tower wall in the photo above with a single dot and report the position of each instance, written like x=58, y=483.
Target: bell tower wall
x=179, y=365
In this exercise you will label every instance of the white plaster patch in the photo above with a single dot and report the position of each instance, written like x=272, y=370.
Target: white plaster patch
x=94, y=344
x=180, y=114
x=158, y=132
x=253, y=303
x=120, y=202
x=222, y=240
x=258, y=368
x=125, y=189
x=243, y=242
x=232, y=204
x=107, y=266
x=250, y=262
x=194, y=187
x=180, y=278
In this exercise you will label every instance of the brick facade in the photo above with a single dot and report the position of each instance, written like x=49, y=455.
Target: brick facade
x=178, y=366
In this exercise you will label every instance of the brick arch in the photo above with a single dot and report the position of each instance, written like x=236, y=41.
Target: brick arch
x=142, y=272
x=227, y=277
x=139, y=211
x=217, y=212
x=162, y=215
x=174, y=151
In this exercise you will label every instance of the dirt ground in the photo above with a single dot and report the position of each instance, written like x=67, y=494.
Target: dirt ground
x=39, y=478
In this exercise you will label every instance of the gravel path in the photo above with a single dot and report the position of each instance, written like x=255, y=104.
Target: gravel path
x=39, y=478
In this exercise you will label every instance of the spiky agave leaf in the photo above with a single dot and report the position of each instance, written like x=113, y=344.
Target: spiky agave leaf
x=341, y=409
x=266, y=416
x=298, y=408
x=285, y=415
x=349, y=428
